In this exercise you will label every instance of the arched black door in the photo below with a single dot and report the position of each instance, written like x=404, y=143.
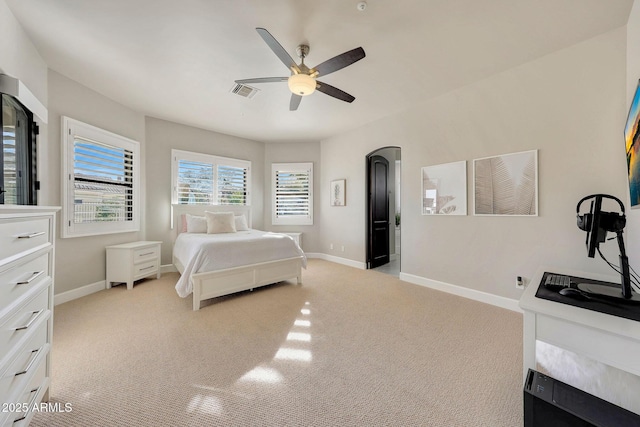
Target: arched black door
x=378, y=227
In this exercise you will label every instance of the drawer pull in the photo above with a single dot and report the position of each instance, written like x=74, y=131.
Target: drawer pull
x=148, y=268
x=148, y=253
x=33, y=277
x=31, y=235
x=34, y=316
x=32, y=403
x=34, y=356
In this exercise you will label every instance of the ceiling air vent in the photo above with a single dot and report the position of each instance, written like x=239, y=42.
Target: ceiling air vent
x=244, y=90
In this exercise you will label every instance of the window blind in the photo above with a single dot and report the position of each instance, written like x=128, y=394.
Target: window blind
x=292, y=193
x=102, y=182
x=195, y=183
x=203, y=179
x=232, y=185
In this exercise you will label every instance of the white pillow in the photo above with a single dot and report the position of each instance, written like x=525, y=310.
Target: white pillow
x=196, y=224
x=241, y=223
x=220, y=222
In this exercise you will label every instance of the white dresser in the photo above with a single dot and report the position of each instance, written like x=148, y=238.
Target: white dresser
x=27, y=240
x=133, y=261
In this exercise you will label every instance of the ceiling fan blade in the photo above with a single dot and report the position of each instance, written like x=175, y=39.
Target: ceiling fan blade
x=295, y=101
x=278, y=49
x=263, y=80
x=339, y=62
x=334, y=91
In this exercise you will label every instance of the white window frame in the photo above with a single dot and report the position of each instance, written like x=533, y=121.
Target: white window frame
x=177, y=155
x=290, y=219
x=70, y=129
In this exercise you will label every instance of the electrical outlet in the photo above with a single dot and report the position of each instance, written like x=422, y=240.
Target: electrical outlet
x=330, y=245
x=342, y=248
x=519, y=282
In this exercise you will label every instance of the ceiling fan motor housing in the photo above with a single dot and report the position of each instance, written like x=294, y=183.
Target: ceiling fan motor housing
x=302, y=51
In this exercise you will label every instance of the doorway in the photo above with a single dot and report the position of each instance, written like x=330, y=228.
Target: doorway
x=383, y=210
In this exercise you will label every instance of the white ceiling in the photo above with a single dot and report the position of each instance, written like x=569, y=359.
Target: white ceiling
x=177, y=60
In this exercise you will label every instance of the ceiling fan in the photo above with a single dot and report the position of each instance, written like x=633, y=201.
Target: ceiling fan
x=302, y=81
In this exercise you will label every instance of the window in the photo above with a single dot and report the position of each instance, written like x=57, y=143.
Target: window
x=101, y=173
x=203, y=179
x=292, y=187
x=17, y=154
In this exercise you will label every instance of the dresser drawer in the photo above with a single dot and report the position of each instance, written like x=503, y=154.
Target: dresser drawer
x=28, y=361
x=23, y=321
x=20, y=236
x=16, y=281
x=145, y=269
x=145, y=254
x=22, y=405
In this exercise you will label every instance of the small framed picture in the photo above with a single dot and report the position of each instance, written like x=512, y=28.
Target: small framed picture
x=338, y=192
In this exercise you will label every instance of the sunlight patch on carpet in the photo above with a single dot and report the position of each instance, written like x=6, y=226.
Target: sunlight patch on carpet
x=299, y=336
x=262, y=374
x=205, y=405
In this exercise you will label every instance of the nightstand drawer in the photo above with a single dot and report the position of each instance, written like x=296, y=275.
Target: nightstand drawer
x=18, y=280
x=145, y=254
x=145, y=269
x=20, y=236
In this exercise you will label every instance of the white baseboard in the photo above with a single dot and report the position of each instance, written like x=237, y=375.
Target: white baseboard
x=337, y=260
x=508, y=303
x=83, y=291
x=168, y=268
x=79, y=292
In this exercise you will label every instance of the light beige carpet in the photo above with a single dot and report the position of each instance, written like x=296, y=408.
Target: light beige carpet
x=347, y=348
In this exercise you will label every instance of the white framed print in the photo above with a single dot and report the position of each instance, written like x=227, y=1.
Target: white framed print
x=506, y=184
x=444, y=189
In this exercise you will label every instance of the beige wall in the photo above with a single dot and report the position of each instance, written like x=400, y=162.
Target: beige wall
x=80, y=261
x=162, y=136
x=295, y=153
x=569, y=105
x=19, y=57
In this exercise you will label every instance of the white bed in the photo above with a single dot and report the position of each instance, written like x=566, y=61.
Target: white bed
x=213, y=265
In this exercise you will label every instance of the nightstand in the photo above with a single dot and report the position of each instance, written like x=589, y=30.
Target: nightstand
x=133, y=261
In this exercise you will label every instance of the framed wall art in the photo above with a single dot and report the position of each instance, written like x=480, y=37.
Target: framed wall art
x=338, y=192
x=506, y=184
x=444, y=189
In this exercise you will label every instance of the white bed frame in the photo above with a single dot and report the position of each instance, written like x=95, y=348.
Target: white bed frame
x=217, y=283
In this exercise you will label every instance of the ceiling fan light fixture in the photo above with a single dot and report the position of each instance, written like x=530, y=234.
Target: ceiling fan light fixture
x=302, y=84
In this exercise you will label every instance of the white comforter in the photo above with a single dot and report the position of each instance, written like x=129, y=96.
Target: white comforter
x=199, y=252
